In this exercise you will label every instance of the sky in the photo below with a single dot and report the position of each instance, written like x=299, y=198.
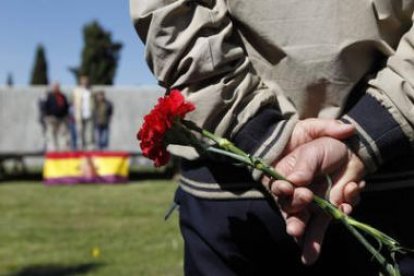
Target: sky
x=57, y=24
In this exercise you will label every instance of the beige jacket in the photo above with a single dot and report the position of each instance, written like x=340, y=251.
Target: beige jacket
x=78, y=103
x=304, y=58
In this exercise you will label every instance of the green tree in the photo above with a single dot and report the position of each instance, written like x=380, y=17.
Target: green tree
x=100, y=55
x=39, y=72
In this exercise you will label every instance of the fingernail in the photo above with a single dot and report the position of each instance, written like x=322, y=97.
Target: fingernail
x=346, y=208
x=344, y=123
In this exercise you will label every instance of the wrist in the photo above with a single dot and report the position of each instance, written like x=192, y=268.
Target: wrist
x=379, y=136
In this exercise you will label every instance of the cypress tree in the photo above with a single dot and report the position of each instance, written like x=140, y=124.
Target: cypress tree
x=9, y=80
x=39, y=72
x=100, y=55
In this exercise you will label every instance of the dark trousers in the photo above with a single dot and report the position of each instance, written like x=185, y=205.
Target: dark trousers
x=247, y=237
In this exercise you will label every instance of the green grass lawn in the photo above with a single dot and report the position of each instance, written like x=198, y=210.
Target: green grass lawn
x=88, y=230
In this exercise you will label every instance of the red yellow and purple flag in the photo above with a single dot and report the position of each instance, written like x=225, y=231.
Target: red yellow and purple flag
x=85, y=167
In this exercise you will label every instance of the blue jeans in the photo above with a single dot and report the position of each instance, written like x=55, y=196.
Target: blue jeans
x=102, y=137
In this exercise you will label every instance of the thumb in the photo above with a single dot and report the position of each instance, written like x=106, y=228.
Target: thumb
x=327, y=127
x=311, y=129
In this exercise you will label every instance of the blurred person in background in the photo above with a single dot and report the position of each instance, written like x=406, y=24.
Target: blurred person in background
x=102, y=117
x=56, y=110
x=41, y=104
x=83, y=107
x=72, y=129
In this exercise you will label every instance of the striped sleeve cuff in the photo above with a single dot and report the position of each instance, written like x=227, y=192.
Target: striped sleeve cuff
x=379, y=136
x=265, y=136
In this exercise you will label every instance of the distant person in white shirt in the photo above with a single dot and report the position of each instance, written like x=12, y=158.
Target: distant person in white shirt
x=83, y=104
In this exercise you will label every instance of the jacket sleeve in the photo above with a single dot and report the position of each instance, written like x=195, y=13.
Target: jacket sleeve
x=194, y=46
x=384, y=116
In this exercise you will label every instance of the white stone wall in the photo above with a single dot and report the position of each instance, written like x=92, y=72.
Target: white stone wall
x=20, y=130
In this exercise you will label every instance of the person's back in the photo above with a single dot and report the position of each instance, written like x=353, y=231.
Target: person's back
x=255, y=70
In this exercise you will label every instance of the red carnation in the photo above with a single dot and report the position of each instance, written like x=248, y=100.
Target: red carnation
x=158, y=122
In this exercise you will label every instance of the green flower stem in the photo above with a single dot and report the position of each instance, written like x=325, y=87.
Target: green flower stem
x=351, y=224
x=221, y=142
x=229, y=154
x=225, y=147
x=391, y=243
x=387, y=268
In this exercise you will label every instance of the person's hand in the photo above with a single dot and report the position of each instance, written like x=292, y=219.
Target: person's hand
x=306, y=166
x=306, y=131
x=313, y=128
